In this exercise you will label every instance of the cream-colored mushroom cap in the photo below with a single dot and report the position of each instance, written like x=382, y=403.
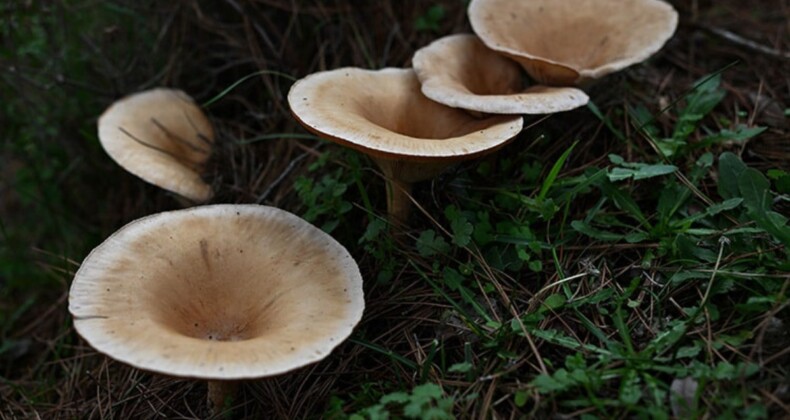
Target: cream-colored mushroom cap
x=461, y=72
x=161, y=136
x=217, y=292
x=384, y=114
x=562, y=42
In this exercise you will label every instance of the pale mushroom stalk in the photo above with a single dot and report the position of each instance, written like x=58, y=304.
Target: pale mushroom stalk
x=221, y=393
x=383, y=114
x=220, y=293
x=398, y=201
x=400, y=176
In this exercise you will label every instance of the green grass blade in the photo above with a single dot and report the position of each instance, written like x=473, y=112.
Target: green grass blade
x=555, y=170
x=244, y=79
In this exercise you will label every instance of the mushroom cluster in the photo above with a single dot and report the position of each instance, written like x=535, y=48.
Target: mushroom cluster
x=416, y=122
x=220, y=292
x=383, y=114
x=229, y=292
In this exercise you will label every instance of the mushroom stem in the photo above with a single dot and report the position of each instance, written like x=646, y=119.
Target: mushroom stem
x=400, y=175
x=221, y=395
x=398, y=201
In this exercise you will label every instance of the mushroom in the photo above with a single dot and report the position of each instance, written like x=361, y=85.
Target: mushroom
x=161, y=136
x=564, y=42
x=461, y=72
x=220, y=292
x=383, y=114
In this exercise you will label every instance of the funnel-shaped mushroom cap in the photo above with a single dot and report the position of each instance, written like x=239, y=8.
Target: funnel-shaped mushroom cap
x=561, y=42
x=217, y=292
x=383, y=113
x=161, y=136
x=461, y=72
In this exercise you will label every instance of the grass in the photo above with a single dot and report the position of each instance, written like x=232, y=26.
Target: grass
x=625, y=260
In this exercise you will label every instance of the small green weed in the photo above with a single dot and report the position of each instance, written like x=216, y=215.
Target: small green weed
x=426, y=401
x=325, y=199
x=613, y=343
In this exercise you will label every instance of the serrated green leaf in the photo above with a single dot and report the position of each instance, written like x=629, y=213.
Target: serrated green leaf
x=713, y=210
x=640, y=171
x=559, y=381
x=429, y=244
x=688, y=352
x=429, y=390
x=462, y=231
x=620, y=174
x=739, y=134
x=395, y=397
x=666, y=338
x=373, y=230
x=452, y=278
x=650, y=171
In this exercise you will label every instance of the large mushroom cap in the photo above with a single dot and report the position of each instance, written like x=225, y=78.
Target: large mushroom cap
x=161, y=136
x=461, y=72
x=217, y=292
x=383, y=113
x=561, y=42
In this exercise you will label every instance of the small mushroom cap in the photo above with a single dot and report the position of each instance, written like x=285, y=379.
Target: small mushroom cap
x=217, y=292
x=461, y=72
x=384, y=114
x=161, y=136
x=562, y=42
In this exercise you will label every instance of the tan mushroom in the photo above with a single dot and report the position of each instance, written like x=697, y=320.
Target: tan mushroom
x=461, y=72
x=383, y=114
x=564, y=42
x=221, y=292
x=161, y=136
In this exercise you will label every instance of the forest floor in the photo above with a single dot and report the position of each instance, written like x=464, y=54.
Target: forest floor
x=625, y=259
